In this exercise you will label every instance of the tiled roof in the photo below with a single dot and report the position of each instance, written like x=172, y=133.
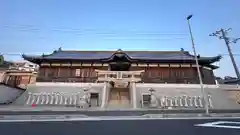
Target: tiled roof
x=134, y=55
x=107, y=54
x=232, y=81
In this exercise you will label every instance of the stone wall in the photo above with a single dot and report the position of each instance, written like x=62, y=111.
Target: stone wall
x=221, y=98
x=67, y=88
x=208, y=76
x=8, y=94
x=2, y=76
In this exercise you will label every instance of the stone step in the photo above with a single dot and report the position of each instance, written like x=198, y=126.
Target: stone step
x=119, y=105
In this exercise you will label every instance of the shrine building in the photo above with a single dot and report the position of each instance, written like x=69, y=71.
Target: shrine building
x=119, y=71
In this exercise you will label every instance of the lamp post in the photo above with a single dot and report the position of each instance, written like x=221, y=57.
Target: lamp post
x=198, y=69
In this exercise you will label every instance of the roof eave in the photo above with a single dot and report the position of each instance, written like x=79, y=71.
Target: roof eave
x=39, y=60
x=33, y=59
x=213, y=67
x=210, y=60
x=203, y=61
x=232, y=81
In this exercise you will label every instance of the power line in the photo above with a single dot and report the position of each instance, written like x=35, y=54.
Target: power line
x=228, y=54
x=11, y=54
x=90, y=31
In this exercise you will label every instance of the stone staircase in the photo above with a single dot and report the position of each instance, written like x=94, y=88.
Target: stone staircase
x=118, y=106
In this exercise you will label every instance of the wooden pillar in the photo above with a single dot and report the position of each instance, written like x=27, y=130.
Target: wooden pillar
x=17, y=80
x=29, y=79
x=46, y=72
x=169, y=73
x=58, y=74
x=106, y=76
x=132, y=76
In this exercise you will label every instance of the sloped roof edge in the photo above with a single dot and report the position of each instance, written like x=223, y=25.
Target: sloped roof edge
x=132, y=55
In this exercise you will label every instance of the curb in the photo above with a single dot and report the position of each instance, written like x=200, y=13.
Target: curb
x=120, y=112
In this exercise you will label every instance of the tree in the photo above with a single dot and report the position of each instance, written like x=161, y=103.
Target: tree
x=1, y=60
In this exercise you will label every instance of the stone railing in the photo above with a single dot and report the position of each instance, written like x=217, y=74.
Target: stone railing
x=170, y=102
x=59, y=98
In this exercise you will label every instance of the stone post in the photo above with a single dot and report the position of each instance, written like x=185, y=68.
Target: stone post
x=43, y=97
x=56, y=98
x=38, y=98
x=104, y=95
x=134, y=95
x=210, y=101
x=52, y=95
x=29, y=98
x=34, y=98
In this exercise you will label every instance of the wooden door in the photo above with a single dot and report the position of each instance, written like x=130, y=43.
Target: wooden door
x=124, y=97
x=114, y=97
x=119, y=97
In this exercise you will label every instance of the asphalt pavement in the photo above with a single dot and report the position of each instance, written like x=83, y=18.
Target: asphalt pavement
x=124, y=127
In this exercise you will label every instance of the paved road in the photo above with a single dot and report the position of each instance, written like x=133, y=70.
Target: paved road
x=118, y=127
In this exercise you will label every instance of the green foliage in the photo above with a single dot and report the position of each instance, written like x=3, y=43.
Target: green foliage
x=1, y=59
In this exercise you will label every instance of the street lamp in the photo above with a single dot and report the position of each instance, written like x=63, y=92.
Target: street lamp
x=198, y=69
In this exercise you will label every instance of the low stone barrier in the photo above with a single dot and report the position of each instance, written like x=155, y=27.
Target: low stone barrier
x=58, y=98
x=181, y=101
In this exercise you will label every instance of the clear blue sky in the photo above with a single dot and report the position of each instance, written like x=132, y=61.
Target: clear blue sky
x=40, y=26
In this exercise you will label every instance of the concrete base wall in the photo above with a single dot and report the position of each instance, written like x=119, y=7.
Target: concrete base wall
x=223, y=96
x=1, y=76
x=60, y=87
x=220, y=94
x=9, y=94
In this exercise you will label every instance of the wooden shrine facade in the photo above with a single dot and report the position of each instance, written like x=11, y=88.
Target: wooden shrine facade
x=158, y=66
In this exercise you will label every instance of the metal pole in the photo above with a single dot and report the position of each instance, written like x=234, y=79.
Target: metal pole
x=230, y=53
x=198, y=69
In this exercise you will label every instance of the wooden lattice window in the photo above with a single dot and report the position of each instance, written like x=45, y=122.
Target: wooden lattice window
x=78, y=72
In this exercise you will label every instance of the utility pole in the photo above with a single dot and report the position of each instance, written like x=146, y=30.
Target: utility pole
x=206, y=105
x=222, y=34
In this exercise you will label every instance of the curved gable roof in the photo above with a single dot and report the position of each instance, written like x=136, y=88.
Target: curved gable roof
x=131, y=55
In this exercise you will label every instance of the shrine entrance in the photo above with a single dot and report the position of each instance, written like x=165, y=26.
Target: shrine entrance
x=119, y=96
x=120, y=88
